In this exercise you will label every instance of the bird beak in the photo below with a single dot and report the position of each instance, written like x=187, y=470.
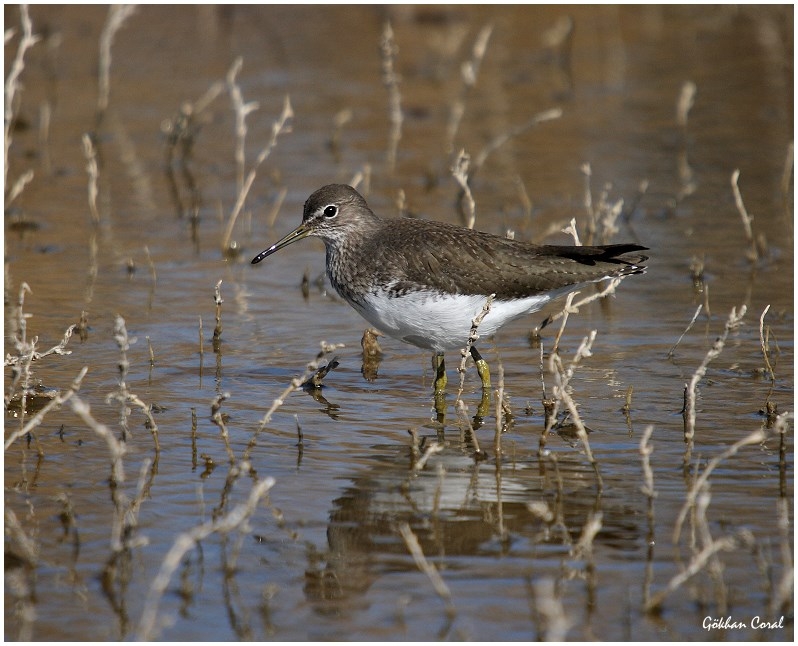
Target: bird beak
x=300, y=232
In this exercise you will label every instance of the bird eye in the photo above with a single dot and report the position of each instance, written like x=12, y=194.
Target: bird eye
x=330, y=211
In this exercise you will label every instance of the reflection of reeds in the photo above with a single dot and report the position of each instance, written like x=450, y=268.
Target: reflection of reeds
x=233, y=521
x=438, y=584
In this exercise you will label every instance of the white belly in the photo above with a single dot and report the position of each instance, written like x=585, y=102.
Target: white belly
x=441, y=322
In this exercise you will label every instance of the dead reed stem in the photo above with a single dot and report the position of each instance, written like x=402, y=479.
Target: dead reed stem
x=732, y=323
x=757, y=437
x=685, y=103
x=117, y=15
x=12, y=84
x=19, y=185
x=218, y=419
x=562, y=378
x=764, y=344
x=645, y=455
x=460, y=173
x=497, y=142
x=296, y=384
x=686, y=330
x=117, y=449
x=609, y=290
x=217, y=330
x=469, y=71
x=390, y=79
x=697, y=563
x=753, y=253
x=241, y=110
x=282, y=124
x=56, y=402
x=472, y=338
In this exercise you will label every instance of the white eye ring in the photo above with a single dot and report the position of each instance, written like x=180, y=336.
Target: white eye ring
x=330, y=211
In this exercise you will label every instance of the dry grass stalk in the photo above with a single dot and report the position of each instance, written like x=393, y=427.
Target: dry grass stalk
x=218, y=419
x=296, y=384
x=757, y=437
x=364, y=176
x=390, y=79
x=732, y=323
x=117, y=449
x=117, y=15
x=497, y=142
x=685, y=102
x=12, y=84
x=698, y=563
x=93, y=171
x=282, y=124
x=241, y=110
x=648, y=489
x=438, y=584
x=460, y=174
x=21, y=373
x=645, y=455
x=753, y=252
x=686, y=330
x=468, y=74
x=235, y=519
x=571, y=230
x=217, y=330
x=56, y=402
x=765, y=345
x=19, y=185
x=562, y=379
x=472, y=338
x=276, y=206
x=609, y=290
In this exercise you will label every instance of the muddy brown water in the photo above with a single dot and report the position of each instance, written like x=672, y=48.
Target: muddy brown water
x=322, y=555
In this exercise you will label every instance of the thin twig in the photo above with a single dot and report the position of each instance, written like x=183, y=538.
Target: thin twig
x=686, y=330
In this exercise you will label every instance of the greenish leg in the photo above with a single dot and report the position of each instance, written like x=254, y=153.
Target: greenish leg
x=440, y=372
x=482, y=368
x=439, y=395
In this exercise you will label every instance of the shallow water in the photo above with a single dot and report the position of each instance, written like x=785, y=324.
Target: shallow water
x=322, y=556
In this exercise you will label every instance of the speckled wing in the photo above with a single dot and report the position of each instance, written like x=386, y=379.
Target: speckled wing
x=451, y=259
